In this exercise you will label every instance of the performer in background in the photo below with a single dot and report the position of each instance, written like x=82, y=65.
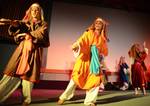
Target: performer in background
x=137, y=54
x=123, y=70
x=31, y=35
x=91, y=47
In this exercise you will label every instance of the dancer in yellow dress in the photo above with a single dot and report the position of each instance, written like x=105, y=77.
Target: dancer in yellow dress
x=92, y=48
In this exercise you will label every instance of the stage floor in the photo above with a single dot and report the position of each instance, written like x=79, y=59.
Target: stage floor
x=49, y=97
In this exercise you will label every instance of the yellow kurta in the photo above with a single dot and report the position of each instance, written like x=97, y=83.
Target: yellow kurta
x=81, y=72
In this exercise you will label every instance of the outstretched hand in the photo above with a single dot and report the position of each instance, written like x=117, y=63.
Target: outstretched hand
x=144, y=44
x=24, y=36
x=75, y=47
x=4, y=21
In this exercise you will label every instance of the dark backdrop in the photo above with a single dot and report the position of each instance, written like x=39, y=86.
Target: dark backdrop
x=15, y=9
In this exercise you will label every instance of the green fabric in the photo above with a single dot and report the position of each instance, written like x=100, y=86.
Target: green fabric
x=94, y=64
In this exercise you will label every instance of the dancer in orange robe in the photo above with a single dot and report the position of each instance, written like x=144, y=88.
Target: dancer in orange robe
x=23, y=68
x=92, y=48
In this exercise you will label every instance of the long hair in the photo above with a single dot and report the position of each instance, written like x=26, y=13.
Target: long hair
x=103, y=36
x=121, y=60
x=103, y=29
x=134, y=50
x=119, y=63
x=28, y=16
x=92, y=26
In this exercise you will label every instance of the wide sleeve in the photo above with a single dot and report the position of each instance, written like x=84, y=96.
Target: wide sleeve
x=14, y=31
x=21, y=28
x=84, y=42
x=142, y=58
x=40, y=36
x=143, y=55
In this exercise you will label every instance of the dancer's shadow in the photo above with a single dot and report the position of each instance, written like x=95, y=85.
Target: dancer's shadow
x=78, y=99
x=33, y=102
x=117, y=98
x=108, y=100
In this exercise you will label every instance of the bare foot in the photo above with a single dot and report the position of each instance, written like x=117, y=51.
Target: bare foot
x=60, y=102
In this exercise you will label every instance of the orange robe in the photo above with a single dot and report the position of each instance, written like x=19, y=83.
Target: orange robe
x=25, y=62
x=81, y=72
